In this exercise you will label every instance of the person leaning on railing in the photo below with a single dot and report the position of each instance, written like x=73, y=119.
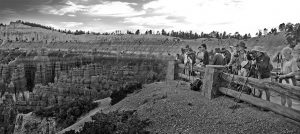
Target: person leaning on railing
x=218, y=58
x=263, y=68
x=297, y=57
x=238, y=57
x=289, y=68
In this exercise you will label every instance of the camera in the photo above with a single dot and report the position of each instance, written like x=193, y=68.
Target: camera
x=251, y=55
x=236, y=55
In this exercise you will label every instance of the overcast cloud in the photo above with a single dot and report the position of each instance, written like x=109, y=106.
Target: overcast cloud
x=244, y=16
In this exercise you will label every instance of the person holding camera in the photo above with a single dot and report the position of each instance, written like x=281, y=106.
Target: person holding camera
x=262, y=68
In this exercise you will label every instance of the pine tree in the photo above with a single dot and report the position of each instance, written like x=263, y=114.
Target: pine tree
x=137, y=32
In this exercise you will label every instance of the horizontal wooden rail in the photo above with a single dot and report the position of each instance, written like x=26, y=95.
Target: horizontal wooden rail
x=187, y=77
x=285, y=111
x=291, y=91
x=195, y=68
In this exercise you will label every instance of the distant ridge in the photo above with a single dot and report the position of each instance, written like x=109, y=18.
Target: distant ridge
x=20, y=33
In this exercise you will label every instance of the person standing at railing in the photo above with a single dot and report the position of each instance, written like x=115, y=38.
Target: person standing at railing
x=189, y=59
x=296, y=53
x=289, y=68
x=218, y=58
x=227, y=55
x=278, y=57
x=263, y=68
x=238, y=57
x=202, y=56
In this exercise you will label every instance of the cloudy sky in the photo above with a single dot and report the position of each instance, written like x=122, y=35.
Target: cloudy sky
x=244, y=16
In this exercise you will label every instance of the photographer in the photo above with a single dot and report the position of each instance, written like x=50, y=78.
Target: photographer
x=262, y=62
x=238, y=57
x=263, y=68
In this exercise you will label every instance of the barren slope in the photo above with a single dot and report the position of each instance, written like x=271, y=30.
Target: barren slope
x=180, y=110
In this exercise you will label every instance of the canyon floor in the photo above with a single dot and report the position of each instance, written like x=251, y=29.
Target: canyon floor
x=174, y=108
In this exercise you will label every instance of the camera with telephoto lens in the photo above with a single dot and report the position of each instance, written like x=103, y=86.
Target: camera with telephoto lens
x=236, y=55
x=251, y=55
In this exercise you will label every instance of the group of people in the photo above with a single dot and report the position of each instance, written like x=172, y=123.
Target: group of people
x=255, y=63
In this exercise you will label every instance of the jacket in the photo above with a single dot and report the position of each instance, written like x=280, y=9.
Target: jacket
x=218, y=59
x=264, y=66
x=205, y=58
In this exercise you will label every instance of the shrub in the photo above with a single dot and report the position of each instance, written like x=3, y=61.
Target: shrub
x=115, y=122
x=120, y=94
x=68, y=113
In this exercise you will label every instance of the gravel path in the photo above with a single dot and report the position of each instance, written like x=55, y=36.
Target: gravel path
x=179, y=110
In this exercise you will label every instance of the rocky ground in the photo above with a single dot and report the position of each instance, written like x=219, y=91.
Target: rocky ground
x=180, y=110
x=174, y=108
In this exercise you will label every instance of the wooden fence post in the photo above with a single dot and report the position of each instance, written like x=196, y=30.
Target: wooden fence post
x=171, y=70
x=211, y=81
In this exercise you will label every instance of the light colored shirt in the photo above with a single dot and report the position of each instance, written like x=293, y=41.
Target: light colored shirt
x=238, y=60
x=289, y=66
x=243, y=72
x=200, y=55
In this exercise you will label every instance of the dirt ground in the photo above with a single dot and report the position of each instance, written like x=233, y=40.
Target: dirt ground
x=174, y=108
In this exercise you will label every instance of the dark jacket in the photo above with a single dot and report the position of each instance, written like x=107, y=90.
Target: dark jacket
x=218, y=59
x=205, y=58
x=264, y=66
x=227, y=55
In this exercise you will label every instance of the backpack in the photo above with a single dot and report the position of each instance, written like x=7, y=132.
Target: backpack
x=196, y=85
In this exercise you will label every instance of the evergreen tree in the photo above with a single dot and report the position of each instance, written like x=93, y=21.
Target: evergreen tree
x=259, y=33
x=163, y=32
x=281, y=27
x=289, y=27
x=137, y=32
x=224, y=35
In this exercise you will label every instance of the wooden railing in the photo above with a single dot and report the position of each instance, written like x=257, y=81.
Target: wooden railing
x=214, y=81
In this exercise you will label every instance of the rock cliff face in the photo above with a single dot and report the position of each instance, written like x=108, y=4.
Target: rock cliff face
x=75, y=66
x=64, y=78
x=8, y=113
x=17, y=32
x=31, y=124
x=26, y=37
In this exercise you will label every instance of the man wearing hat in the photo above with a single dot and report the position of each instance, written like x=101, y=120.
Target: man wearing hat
x=238, y=57
x=263, y=67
